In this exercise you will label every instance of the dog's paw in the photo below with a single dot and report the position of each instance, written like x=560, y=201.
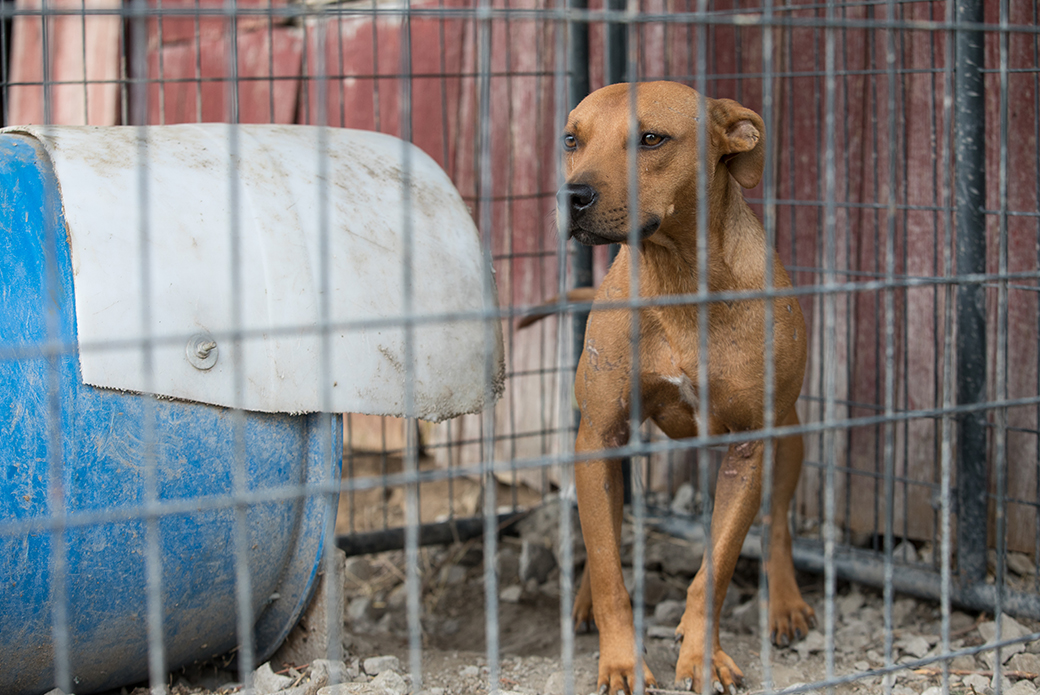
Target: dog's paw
x=617, y=674
x=725, y=675
x=790, y=621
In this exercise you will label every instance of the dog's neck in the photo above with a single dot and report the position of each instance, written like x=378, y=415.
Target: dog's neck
x=668, y=261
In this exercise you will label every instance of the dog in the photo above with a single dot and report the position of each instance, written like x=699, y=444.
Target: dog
x=595, y=204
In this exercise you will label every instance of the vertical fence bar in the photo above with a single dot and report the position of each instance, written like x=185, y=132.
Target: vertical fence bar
x=485, y=194
x=769, y=417
x=970, y=196
x=565, y=356
x=946, y=446
x=577, y=89
x=1000, y=431
x=830, y=266
x=888, y=301
x=615, y=52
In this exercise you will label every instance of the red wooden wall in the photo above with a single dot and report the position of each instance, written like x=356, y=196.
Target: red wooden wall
x=346, y=71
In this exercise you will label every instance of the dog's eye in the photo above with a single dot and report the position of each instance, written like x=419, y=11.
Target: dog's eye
x=651, y=139
x=569, y=142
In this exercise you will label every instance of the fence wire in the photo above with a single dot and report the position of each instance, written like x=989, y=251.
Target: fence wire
x=901, y=189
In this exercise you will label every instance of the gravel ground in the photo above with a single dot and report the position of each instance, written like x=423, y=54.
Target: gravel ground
x=530, y=628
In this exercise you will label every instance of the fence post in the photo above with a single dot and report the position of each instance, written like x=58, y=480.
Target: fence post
x=970, y=188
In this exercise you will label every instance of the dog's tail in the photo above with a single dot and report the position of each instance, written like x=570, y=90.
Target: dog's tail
x=579, y=295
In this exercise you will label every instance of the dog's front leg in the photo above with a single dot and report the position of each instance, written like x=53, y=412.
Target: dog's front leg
x=737, y=495
x=600, y=501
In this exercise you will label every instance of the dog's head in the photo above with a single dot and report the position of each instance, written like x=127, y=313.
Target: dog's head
x=668, y=159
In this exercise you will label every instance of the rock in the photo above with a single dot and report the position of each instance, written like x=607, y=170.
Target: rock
x=905, y=552
x=391, y=681
x=325, y=672
x=926, y=554
x=362, y=610
x=431, y=691
x=376, y=665
x=915, y=645
x=960, y=621
x=965, y=662
x=1009, y=629
x=1028, y=663
x=355, y=689
x=556, y=683
x=310, y=638
x=787, y=676
x=682, y=501
x=299, y=690
x=1022, y=687
x=452, y=574
x=1020, y=564
x=542, y=525
x=747, y=616
x=511, y=594
x=902, y=609
x=536, y=561
x=813, y=642
x=449, y=626
x=357, y=570
x=397, y=599
x=56, y=691
x=980, y=684
x=267, y=682
x=507, y=564
x=850, y=604
x=469, y=672
x=731, y=601
x=682, y=559
x=655, y=589
x=870, y=615
x=669, y=612
x=853, y=636
x=934, y=690
x=660, y=632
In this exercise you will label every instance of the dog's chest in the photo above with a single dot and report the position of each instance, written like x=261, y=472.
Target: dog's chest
x=687, y=391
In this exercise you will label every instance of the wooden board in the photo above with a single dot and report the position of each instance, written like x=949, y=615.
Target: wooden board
x=82, y=53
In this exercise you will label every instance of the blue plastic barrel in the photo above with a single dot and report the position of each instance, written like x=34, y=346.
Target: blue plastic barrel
x=73, y=465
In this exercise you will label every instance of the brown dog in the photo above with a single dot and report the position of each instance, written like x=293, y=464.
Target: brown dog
x=596, y=197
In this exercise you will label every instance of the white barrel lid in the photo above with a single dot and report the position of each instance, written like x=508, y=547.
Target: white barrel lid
x=185, y=235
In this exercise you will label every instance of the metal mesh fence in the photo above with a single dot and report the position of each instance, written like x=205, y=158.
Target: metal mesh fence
x=900, y=187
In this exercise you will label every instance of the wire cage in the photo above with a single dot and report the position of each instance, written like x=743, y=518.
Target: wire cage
x=901, y=188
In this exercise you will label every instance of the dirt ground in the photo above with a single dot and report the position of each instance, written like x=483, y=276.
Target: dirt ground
x=529, y=623
x=530, y=635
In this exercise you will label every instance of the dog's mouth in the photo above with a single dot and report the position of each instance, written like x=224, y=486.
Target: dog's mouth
x=599, y=237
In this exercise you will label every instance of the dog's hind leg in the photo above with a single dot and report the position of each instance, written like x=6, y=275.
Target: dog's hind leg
x=790, y=617
x=583, y=620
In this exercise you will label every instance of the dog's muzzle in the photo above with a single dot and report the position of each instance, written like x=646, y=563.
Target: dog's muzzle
x=577, y=199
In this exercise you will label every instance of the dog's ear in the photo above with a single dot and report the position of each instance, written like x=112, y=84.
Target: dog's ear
x=740, y=135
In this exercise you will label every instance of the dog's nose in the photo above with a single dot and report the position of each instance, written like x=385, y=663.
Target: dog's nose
x=577, y=198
